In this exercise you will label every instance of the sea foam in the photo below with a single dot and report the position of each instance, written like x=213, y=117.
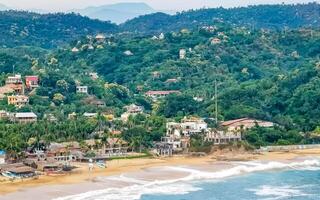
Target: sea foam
x=184, y=185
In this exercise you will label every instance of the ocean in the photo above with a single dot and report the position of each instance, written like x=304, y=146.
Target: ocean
x=297, y=180
x=275, y=185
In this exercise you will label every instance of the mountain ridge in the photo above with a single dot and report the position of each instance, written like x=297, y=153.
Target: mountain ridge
x=117, y=13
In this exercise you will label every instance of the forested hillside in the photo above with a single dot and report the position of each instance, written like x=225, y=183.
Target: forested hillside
x=261, y=16
x=264, y=74
x=20, y=28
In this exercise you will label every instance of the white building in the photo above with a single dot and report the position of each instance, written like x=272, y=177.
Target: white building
x=82, y=89
x=16, y=79
x=90, y=115
x=186, y=128
x=192, y=126
x=24, y=117
x=182, y=53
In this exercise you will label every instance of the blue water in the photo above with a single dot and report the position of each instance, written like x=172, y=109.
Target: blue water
x=272, y=185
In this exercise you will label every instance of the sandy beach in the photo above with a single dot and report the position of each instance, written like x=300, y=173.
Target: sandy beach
x=142, y=169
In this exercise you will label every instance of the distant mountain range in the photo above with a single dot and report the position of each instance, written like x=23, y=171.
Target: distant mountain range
x=117, y=13
x=3, y=7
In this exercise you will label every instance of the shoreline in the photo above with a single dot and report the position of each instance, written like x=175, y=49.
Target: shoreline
x=117, y=167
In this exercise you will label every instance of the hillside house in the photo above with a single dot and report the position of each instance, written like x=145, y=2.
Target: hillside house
x=74, y=50
x=32, y=82
x=90, y=115
x=128, y=53
x=156, y=74
x=15, y=84
x=5, y=90
x=72, y=115
x=92, y=100
x=182, y=54
x=100, y=37
x=94, y=75
x=215, y=41
x=171, y=80
x=18, y=100
x=160, y=94
x=134, y=109
x=15, y=88
x=131, y=110
x=238, y=125
x=82, y=89
x=24, y=117
x=16, y=79
x=3, y=114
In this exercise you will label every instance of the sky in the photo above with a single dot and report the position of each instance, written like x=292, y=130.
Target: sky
x=177, y=5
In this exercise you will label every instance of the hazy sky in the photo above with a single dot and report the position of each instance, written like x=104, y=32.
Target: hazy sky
x=62, y=5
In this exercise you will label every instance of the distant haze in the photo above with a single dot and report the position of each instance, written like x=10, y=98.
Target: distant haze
x=178, y=5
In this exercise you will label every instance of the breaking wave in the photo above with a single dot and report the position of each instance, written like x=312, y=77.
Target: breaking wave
x=184, y=185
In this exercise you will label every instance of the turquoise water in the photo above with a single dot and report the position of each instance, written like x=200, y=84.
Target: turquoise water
x=271, y=185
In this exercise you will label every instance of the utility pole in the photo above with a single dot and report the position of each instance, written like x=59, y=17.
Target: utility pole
x=216, y=99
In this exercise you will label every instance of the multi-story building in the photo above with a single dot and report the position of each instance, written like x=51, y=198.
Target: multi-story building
x=18, y=100
x=16, y=79
x=187, y=127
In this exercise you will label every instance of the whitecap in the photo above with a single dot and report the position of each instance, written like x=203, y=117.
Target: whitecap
x=278, y=192
x=184, y=185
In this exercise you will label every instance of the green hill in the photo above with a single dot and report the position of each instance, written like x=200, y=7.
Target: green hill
x=20, y=28
x=260, y=16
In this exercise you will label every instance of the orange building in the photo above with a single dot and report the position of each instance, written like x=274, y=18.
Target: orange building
x=18, y=100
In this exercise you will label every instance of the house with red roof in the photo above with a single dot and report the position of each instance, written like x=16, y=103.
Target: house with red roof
x=32, y=82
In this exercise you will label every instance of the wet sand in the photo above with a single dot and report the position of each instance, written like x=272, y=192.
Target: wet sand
x=122, y=173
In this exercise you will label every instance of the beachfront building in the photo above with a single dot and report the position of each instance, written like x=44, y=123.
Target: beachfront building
x=187, y=127
x=242, y=124
x=24, y=117
x=160, y=94
x=17, y=170
x=18, y=100
x=32, y=82
x=115, y=147
x=222, y=137
x=82, y=89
